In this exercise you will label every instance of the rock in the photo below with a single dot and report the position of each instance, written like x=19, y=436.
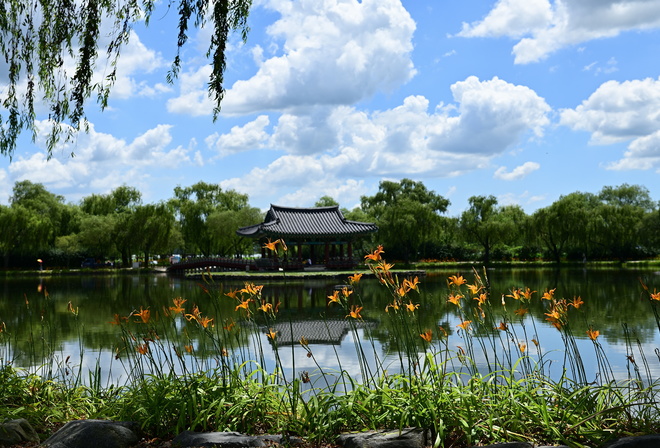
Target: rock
x=510, y=445
x=94, y=433
x=407, y=438
x=216, y=439
x=17, y=431
x=648, y=441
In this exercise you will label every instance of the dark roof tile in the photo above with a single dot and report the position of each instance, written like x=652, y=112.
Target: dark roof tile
x=306, y=222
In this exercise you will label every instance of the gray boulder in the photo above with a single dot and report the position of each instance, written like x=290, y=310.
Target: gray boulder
x=14, y=432
x=407, y=438
x=189, y=439
x=647, y=441
x=94, y=433
x=510, y=445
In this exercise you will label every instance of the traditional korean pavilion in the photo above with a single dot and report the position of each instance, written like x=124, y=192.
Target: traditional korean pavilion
x=324, y=230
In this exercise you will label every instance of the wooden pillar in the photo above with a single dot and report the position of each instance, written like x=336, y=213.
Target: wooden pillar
x=327, y=252
x=350, y=250
x=299, y=251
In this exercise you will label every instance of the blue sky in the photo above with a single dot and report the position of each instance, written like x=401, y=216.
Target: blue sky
x=526, y=100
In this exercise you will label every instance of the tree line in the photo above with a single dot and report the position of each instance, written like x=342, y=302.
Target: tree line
x=618, y=223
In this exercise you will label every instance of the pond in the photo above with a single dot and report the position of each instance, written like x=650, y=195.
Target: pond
x=64, y=324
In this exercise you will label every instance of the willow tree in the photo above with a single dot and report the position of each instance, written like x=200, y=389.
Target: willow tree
x=51, y=48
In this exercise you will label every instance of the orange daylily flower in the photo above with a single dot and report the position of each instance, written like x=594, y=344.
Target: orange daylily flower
x=412, y=306
x=245, y=305
x=503, y=326
x=252, y=289
x=474, y=289
x=224, y=352
x=303, y=341
x=271, y=245
x=482, y=298
x=385, y=267
x=144, y=315
x=394, y=304
x=522, y=347
x=346, y=291
x=593, y=334
x=528, y=293
x=117, y=320
x=515, y=294
x=205, y=321
x=195, y=314
x=229, y=325
x=465, y=325
x=355, y=312
x=412, y=284
x=521, y=311
x=536, y=343
x=401, y=291
x=577, y=302
x=442, y=329
x=355, y=278
x=548, y=295
x=427, y=335
x=177, y=308
x=553, y=316
x=334, y=297
x=142, y=349
x=457, y=280
x=655, y=295
x=455, y=299
x=188, y=348
x=375, y=255
x=266, y=308
x=233, y=294
x=271, y=334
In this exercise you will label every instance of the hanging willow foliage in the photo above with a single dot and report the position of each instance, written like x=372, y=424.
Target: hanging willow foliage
x=50, y=50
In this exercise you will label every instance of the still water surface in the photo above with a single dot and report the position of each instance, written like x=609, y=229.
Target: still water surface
x=40, y=327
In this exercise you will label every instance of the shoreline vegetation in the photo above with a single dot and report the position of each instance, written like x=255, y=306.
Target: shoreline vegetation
x=191, y=369
x=400, y=268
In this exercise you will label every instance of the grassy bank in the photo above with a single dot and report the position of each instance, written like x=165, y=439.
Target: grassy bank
x=189, y=369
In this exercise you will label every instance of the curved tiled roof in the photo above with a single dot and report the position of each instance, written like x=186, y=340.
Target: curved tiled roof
x=306, y=222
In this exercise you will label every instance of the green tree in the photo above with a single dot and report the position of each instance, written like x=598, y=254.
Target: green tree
x=618, y=220
x=153, y=223
x=223, y=224
x=117, y=209
x=625, y=194
x=489, y=225
x=48, y=213
x=407, y=215
x=37, y=38
x=195, y=204
x=326, y=201
x=23, y=231
x=566, y=225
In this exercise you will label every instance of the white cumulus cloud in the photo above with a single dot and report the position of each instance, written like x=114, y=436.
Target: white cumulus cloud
x=544, y=27
x=622, y=112
x=250, y=136
x=517, y=173
x=488, y=118
x=334, y=52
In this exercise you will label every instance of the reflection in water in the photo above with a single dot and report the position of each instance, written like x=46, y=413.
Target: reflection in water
x=39, y=326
